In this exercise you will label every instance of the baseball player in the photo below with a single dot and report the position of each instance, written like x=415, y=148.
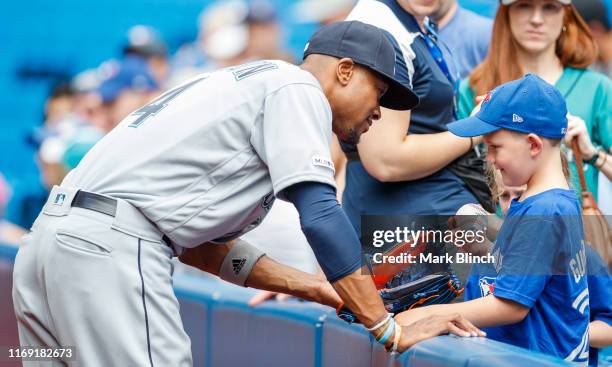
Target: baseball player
x=189, y=173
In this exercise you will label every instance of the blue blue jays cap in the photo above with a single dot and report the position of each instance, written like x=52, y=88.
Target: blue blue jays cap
x=527, y=105
x=132, y=73
x=368, y=46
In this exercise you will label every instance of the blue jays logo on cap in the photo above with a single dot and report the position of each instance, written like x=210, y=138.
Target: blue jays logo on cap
x=527, y=105
x=487, y=98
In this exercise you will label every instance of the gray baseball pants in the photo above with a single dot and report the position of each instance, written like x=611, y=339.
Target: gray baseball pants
x=100, y=283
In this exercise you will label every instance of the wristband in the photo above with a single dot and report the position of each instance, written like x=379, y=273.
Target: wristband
x=382, y=330
x=239, y=262
x=396, y=339
x=387, y=333
x=380, y=324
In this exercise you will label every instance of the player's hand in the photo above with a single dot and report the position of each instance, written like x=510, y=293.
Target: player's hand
x=435, y=325
x=576, y=128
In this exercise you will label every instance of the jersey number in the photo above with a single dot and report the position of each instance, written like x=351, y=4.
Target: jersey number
x=252, y=68
x=160, y=102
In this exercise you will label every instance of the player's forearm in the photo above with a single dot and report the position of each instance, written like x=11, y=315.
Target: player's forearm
x=207, y=257
x=266, y=274
x=270, y=275
x=359, y=294
x=600, y=334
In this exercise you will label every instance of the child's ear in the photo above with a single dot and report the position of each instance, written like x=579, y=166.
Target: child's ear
x=535, y=144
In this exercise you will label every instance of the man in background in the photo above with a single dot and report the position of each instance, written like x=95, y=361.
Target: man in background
x=465, y=33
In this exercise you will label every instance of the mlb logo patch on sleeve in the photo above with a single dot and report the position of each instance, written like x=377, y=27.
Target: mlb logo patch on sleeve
x=323, y=162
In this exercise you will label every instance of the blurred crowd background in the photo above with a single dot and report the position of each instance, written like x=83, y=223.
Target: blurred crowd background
x=71, y=70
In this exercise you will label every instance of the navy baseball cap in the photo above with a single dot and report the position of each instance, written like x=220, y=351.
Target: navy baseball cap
x=368, y=46
x=527, y=105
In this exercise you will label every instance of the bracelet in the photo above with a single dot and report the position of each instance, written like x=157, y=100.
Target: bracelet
x=605, y=158
x=387, y=333
x=398, y=336
x=471, y=143
x=591, y=161
x=381, y=323
x=382, y=330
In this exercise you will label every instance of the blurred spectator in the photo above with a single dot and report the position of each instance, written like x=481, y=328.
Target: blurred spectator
x=28, y=194
x=145, y=42
x=87, y=102
x=595, y=14
x=77, y=145
x=322, y=11
x=551, y=40
x=265, y=33
x=9, y=233
x=64, y=147
x=59, y=103
x=222, y=41
x=4, y=195
x=465, y=33
x=128, y=86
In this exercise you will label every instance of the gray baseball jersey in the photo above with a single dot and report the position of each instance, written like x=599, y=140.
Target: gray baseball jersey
x=205, y=160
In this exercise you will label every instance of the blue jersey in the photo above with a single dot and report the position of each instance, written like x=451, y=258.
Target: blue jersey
x=600, y=293
x=540, y=263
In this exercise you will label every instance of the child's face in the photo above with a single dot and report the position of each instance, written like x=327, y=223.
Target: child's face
x=511, y=154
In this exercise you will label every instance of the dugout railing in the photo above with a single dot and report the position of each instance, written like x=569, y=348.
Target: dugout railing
x=225, y=331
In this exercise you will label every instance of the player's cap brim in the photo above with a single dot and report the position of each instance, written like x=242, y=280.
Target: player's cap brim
x=398, y=96
x=471, y=126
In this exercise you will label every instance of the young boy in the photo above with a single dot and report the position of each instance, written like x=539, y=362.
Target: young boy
x=535, y=295
x=599, y=281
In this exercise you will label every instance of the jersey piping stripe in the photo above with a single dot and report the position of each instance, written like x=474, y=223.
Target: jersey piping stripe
x=580, y=298
x=144, y=306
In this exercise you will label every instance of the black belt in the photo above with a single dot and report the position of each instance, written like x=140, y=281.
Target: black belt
x=101, y=204
x=95, y=202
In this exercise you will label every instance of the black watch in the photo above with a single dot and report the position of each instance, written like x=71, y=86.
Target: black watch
x=594, y=158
